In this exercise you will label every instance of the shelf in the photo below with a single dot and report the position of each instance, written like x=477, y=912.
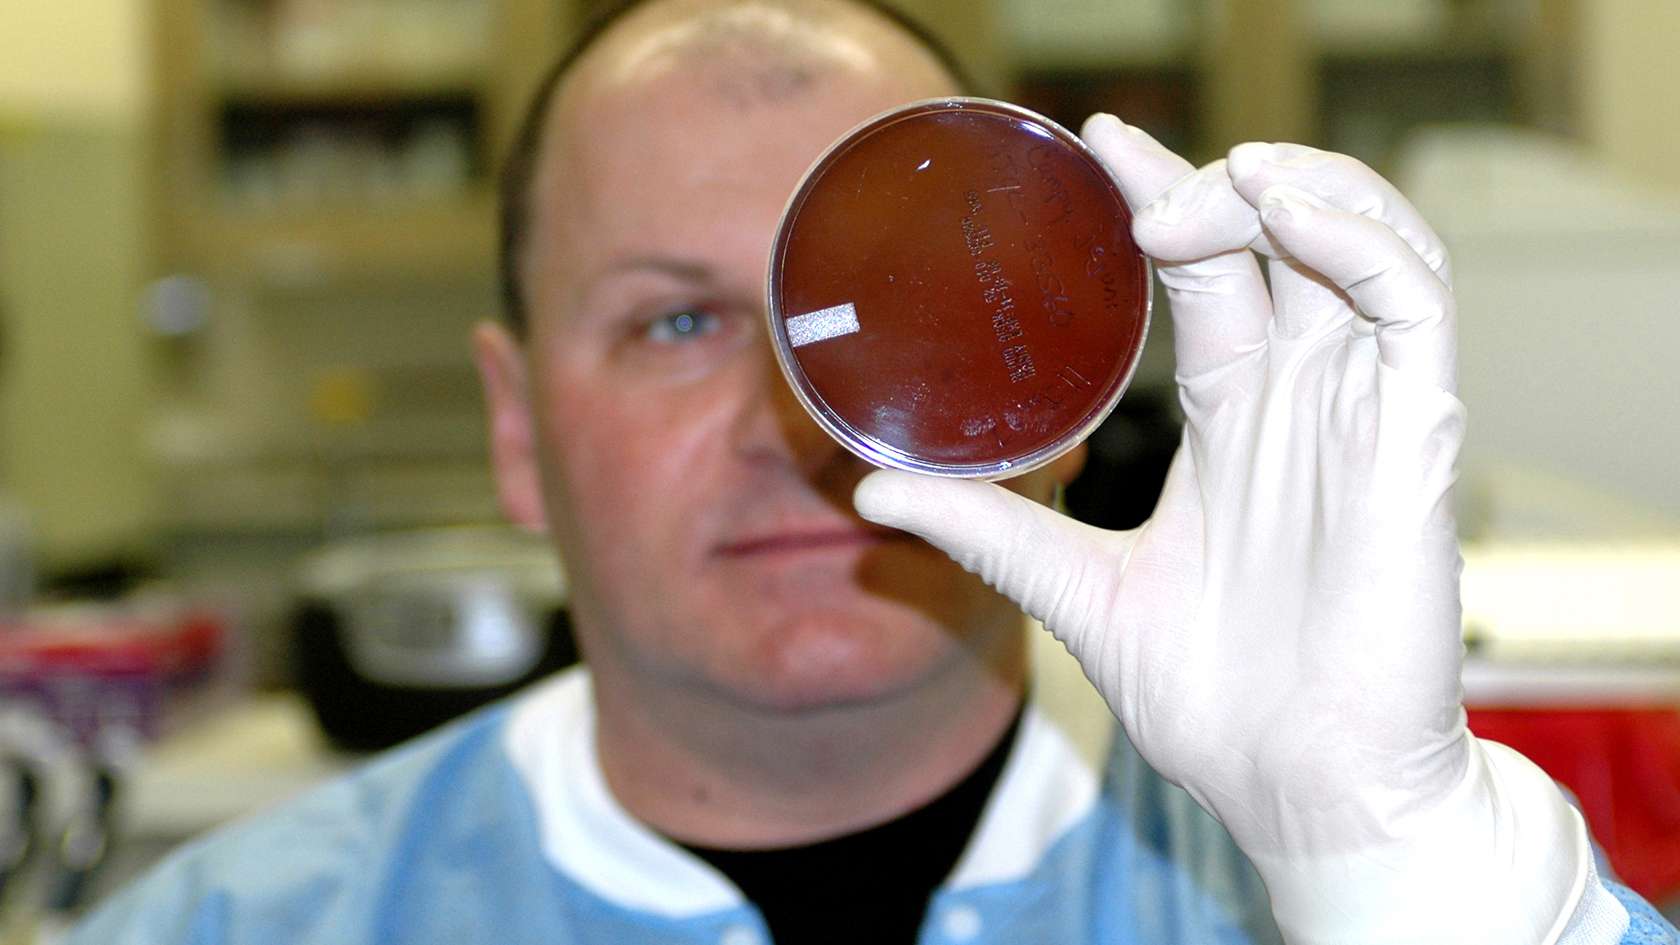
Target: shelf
x=307, y=247
x=300, y=145
x=249, y=755
x=352, y=87
x=1135, y=58
x=1560, y=684
x=1387, y=50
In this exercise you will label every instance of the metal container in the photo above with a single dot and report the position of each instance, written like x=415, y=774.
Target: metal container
x=394, y=634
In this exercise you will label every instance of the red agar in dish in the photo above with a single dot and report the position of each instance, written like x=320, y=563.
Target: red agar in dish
x=954, y=290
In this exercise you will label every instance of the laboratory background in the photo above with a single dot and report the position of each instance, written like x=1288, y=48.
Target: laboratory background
x=247, y=530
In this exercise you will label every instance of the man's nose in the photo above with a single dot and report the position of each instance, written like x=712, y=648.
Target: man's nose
x=775, y=425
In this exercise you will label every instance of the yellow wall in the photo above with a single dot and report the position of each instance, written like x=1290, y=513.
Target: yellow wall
x=73, y=383
x=967, y=26
x=82, y=58
x=1629, y=79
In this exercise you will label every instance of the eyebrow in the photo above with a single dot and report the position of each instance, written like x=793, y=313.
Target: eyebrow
x=684, y=269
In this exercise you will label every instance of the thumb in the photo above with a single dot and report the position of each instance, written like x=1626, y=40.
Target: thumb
x=1060, y=571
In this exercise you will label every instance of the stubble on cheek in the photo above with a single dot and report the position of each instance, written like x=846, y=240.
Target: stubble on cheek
x=918, y=577
x=648, y=493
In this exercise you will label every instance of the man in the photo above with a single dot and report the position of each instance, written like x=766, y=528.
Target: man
x=800, y=727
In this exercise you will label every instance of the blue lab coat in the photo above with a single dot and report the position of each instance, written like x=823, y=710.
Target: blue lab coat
x=500, y=829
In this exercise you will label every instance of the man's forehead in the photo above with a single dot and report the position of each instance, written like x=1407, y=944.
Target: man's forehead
x=683, y=35
x=692, y=137
x=699, y=95
x=745, y=52
x=686, y=129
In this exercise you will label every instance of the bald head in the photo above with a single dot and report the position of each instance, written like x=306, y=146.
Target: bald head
x=736, y=53
x=771, y=48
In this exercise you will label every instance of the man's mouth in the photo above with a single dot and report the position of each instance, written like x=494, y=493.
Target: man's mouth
x=794, y=541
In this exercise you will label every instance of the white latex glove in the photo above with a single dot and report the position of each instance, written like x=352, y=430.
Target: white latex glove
x=1282, y=637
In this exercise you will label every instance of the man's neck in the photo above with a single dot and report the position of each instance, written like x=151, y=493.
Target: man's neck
x=711, y=772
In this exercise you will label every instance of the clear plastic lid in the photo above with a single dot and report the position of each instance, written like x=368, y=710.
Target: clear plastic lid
x=954, y=290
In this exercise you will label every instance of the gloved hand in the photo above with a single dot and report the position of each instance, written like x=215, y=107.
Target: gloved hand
x=1282, y=637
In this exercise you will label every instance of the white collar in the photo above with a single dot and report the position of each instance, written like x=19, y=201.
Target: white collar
x=1046, y=787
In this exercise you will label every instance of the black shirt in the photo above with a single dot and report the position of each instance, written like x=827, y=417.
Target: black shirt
x=872, y=886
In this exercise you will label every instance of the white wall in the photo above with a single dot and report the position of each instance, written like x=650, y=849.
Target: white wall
x=1568, y=280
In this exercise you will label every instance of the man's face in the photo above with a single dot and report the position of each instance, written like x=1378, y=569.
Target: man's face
x=704, y=519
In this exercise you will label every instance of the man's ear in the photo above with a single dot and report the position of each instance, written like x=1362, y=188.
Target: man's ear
x=513, y=436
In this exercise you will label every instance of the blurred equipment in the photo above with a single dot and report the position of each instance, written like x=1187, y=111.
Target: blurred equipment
x=81, y=688
x=310, y=140
x=98, y=669
x=1575, y=601
x=89, y=834
x=394, y=634
x=1576, y=664
x=23, y=819
x=34, y=761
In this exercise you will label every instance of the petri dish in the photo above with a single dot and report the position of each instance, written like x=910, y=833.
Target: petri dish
x=954, y=290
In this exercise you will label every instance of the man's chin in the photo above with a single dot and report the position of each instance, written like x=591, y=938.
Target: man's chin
x=832, y=661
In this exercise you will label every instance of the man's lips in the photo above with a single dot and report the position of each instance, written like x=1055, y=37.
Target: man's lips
x=812, y=539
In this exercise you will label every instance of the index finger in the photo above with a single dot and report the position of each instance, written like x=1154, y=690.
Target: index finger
x=1342, y=182
x=1220, y=306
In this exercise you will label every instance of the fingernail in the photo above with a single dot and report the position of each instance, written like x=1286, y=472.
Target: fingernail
x=1281, y=207
x=1245, y=159
x=1162, y=211
x=1110, y=124
x=1151, y=215
x=1134, y=131
x=876, y=498
x=1172, y=206
x=1300, y=196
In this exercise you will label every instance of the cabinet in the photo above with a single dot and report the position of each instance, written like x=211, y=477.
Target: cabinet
x=323, y=235
x=307, y=140
x=1342, y=74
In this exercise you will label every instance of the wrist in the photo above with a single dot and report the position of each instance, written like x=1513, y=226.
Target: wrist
x=1501, y=860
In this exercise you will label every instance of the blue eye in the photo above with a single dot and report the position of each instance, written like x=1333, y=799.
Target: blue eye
x=682, y=326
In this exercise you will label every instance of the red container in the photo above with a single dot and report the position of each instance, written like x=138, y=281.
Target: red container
x=1622, y=763
x=91, y=667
